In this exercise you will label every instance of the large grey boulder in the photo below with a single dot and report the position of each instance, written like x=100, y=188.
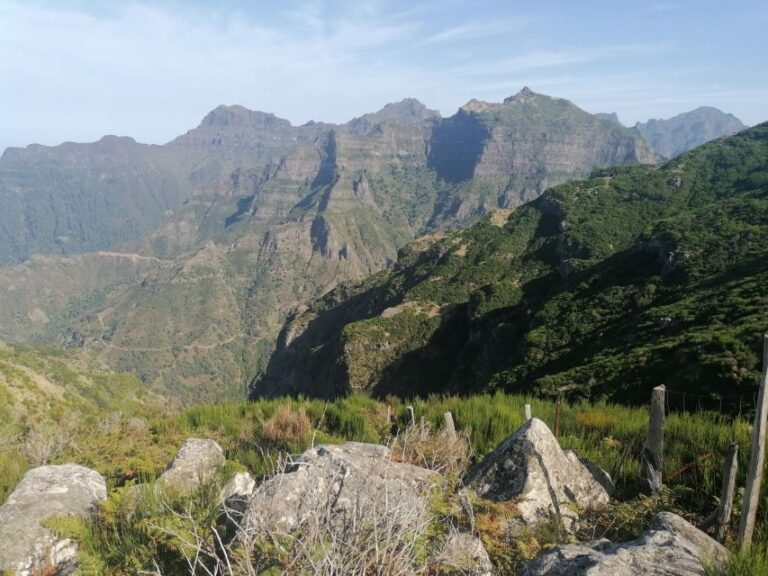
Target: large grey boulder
x=351, y=484
x=462, y=555
x=546, y=482
x=672, y=547
x=26, y=546
x=197, y=461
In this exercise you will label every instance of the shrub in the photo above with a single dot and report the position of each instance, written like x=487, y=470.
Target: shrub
x=286, y=425
x=421, y=446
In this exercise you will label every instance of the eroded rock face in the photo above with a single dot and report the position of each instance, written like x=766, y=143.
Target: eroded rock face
x=341, y=486
x=196, y=462
x=531, y=467
x=672, y=547
x=46, y=492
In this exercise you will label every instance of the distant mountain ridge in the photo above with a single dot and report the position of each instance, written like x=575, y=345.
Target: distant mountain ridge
x=685, y=131
x=183, y=260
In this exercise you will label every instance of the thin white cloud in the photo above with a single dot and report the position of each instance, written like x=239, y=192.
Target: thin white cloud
x=479, y=29
x=559, y=57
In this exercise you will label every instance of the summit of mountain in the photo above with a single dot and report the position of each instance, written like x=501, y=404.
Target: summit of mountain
x=407, y=111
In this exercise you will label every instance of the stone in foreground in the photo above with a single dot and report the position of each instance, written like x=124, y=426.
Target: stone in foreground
x=196, y=462
x=463, y=554
x=672, y=547
x=547, y=482
x=341, y=486
x=27, y=547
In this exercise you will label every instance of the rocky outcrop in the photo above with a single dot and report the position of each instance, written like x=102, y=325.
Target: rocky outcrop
x=545, y=481
x=197, y=461
x=26, y=546
x=341, y=487
x=462, y=554
x=672, y=547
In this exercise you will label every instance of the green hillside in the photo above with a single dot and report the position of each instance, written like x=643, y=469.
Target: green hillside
x=601, y=288
x=54, y=402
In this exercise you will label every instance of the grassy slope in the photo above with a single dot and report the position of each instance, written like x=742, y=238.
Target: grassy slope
x=601, y=288
x=49, y=397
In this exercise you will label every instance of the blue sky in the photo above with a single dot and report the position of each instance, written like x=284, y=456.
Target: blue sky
x=75, y=70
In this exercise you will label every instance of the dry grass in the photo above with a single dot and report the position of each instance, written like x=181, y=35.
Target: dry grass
x=438, y=451
x=286, y=425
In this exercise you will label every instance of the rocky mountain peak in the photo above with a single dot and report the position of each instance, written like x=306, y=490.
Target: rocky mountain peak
x=238, y=115
x=521, y=97
x=610, y=116
x=407, y=111
x=475, y=105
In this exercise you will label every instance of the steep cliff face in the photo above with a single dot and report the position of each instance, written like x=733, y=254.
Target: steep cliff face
x=684, y=132
x=501, y=155
x=80, y=197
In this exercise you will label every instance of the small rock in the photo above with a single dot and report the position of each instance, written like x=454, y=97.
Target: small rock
x=672, y=547
x=239, y=486
x=195, y=463
x=45, y=492
x=531, y=467
x=463, y=554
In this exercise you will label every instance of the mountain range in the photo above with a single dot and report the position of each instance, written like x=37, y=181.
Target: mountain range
x=181, y=262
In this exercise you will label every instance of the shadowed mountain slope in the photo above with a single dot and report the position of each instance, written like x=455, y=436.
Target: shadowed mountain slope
x=605, y=287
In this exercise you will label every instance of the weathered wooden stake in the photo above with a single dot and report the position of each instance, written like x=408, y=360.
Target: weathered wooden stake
x=653, y=449
x=450, y=428
x=412, y=416
x=729, y=489
x=527, y=412
x=756, y=459
x=557, y=420
x=389, y=414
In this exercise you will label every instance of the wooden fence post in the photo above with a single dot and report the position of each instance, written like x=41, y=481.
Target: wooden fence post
x=450, y=427
x=653, y=449
x=527, y=412
x=722, y=515
x=411, y=416
x=729, y=489
x=756, y=459
x=557, y=420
